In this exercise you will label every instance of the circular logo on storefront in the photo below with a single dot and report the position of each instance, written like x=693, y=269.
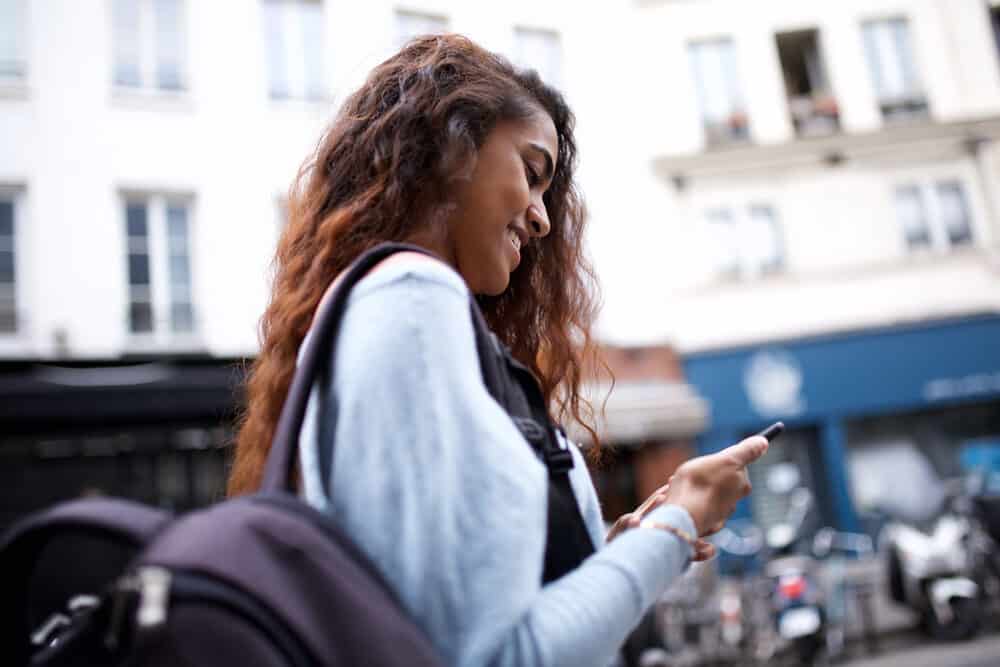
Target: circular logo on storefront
x=773, y=382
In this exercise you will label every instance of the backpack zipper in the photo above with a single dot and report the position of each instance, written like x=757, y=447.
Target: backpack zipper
x=157, y=588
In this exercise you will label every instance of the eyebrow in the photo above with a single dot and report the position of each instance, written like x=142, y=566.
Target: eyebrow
x=549, y=167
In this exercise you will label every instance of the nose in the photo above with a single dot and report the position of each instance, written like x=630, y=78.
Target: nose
x=538, y=221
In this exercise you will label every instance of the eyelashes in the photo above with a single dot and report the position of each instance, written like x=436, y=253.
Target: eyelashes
x=532, y=175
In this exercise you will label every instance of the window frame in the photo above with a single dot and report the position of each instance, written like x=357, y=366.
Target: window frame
x=15, y=85
x=551, y=73
x=734, y=128
x=740, y=264
x=291, y=61
x=15, y=195
x=937, y=235
x=149, y=61
x=401, y=36
x=993, y=16
x=911, y=103
x=158, y=250
x=816, y=113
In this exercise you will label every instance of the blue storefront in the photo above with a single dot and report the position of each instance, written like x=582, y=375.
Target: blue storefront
x=864, y=410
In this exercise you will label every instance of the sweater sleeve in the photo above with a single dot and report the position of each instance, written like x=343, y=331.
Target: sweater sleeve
x=434, y=482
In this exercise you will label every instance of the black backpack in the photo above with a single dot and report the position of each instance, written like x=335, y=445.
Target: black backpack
x=259, y=580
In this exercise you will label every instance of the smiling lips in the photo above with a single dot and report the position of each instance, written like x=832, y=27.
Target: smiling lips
x=515, y=238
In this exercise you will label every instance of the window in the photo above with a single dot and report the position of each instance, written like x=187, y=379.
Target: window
x=412, y=24
x=159, y=266
x=889, y=51
x=8, y=273
x=717, y=81
x=810, y=102
x=12, y=47
x=722, y=231
x=912, y=216
x=149, y=44
x=995, y=22
x=954, y=212
x=293, y=32
x=539, y=50
x=746, y=243
x=935, y=216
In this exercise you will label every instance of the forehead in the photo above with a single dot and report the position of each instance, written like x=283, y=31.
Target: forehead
x=537, y=128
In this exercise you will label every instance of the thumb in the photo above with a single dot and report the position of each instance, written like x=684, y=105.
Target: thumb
x=746, y=451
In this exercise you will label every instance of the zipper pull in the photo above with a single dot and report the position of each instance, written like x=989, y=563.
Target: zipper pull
x=154, y=596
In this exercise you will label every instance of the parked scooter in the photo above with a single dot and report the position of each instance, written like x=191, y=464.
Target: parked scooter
x=797, y=596
x=931, y=569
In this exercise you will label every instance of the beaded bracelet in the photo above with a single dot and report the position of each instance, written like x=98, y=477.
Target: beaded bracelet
x=682, y=535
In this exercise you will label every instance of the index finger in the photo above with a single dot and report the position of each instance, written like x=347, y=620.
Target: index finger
x=746, y=451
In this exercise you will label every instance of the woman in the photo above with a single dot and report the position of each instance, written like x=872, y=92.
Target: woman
x=446, y=146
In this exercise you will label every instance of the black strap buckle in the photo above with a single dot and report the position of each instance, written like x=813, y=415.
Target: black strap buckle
x=554, y=448
x=532, y=431
x=558, y=456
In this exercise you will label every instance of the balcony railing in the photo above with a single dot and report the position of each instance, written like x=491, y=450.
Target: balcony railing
x=814, y=115
x=903, y=107
x=734, y=129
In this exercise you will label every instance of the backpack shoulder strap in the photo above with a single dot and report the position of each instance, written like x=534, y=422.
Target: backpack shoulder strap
x=500, y=369
x=326, y=327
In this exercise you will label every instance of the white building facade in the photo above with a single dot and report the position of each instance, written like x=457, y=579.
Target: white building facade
x=147, y=146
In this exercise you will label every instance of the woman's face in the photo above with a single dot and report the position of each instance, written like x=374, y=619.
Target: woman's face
x=499, y=208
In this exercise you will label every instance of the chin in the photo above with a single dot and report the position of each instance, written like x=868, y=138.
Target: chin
x=495, y=288
x=494, y=284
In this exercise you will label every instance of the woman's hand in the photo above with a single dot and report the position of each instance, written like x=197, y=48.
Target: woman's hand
x=708, y=487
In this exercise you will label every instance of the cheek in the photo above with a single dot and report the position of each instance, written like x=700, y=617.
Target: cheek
x=517, y=195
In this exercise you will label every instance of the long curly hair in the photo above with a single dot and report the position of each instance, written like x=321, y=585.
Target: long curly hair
x=383, y=171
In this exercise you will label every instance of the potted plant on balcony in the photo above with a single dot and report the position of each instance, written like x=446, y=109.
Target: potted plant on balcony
x=826, y=105
x=737, y=123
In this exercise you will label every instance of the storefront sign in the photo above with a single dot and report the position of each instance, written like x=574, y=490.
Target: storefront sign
x=977, y=384
x=773, y=383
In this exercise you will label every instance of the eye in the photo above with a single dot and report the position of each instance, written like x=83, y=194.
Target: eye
x=532, y=175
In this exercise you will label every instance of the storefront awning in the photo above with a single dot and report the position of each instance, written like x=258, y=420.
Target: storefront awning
x=636, y=412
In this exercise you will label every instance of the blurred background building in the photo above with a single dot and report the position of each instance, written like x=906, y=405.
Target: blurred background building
x=795, y=215
x=831, y=170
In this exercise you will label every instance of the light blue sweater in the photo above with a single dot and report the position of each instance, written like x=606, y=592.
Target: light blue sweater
x=435, y=483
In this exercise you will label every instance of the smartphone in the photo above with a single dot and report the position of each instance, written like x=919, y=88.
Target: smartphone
x=773, y=431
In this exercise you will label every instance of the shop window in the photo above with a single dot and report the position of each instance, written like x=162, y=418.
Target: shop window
x=13, y=28
x=891, y=62
x=413, y=24
x=293, y=35
x=746, y=243
x=810, y=101
x=161, y=307
x=934, y=216
x=8, y=272
x=541, y=51
x=148, y=44
x=925, y=448
x=723, y=110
